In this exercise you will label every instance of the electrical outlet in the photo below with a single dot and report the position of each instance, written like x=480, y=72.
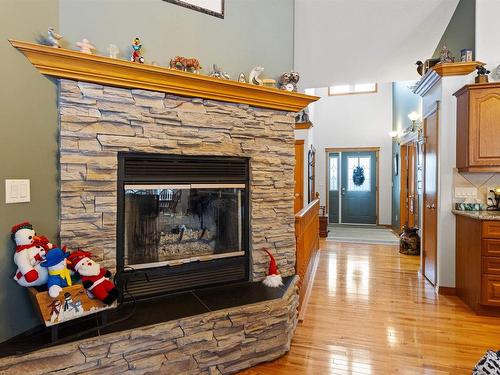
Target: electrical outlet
x=466, y=192
x=17, y=191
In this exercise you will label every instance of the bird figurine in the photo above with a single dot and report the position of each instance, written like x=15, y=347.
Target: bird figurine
x=496, y=73
x=420, y=67
x=53, y=38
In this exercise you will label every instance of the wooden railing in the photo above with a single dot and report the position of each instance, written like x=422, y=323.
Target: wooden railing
x=307, y=243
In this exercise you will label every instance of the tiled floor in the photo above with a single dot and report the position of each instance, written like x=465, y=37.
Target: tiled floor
x=362, y=234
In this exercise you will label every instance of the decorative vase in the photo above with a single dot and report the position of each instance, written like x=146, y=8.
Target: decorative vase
x=409, y=241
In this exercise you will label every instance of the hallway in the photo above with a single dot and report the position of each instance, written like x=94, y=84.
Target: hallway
x=371, y=313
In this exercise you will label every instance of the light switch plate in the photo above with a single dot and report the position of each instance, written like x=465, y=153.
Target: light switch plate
x=17, y=191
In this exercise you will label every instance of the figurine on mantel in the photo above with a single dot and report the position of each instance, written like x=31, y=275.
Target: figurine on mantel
x=113, y=51
x=136, y=54
x=273, y=278
x=254, y=78
x=445, y=56
x=85, y=46
x=420, y=67
x=289, y=81
x=185, y=64
x=242, y=78
x=219, y=73
x=52, y=38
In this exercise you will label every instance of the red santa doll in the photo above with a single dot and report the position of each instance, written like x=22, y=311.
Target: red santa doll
x=30, y=252
x=95, y=280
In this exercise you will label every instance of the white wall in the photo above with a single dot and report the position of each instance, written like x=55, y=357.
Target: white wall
x=488, y=32
x=362, y=120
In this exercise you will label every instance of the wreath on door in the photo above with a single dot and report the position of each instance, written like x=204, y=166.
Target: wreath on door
x=358, y=175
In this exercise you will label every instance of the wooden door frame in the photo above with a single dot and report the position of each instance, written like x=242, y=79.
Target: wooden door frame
x=300, y=142
x=329, y=150
x=433, y=109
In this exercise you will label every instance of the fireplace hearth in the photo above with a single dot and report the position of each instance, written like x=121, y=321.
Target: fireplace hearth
x=183, y=221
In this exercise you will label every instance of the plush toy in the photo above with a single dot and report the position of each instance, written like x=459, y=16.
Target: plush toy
x=273, y=278
x=30, y=252
x=59, y=275
x=95, y=279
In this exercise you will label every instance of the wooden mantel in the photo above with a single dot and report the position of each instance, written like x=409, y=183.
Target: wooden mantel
x=438, y=71
x=75, y=65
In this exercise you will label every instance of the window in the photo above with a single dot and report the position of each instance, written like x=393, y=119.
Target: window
x=363, y=162
x=334, y=173
x=360, y=88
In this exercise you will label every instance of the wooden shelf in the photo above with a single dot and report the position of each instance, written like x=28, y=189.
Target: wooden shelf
x=303, y=125
x=75, y=65
x=434, y=74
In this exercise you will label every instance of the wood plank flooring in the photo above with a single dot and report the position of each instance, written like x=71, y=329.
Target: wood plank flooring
x=370, y=312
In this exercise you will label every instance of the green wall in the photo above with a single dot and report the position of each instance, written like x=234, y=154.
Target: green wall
x=253, y=32
x=461, y=31
x=404, y=101
x=27, y=148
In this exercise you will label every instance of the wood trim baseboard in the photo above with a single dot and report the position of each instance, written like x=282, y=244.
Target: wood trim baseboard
x=447, y=291
x=307, y=295
x=75, y=65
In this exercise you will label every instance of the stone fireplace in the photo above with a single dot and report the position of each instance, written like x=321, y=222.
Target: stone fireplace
x=97, y=123
x=185, y=178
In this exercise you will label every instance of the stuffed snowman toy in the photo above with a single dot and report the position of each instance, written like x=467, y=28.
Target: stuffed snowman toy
x=95, y=279
x=30, y=252
x=59, y=275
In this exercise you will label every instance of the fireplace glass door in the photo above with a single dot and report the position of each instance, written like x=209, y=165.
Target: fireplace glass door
x=177, y=224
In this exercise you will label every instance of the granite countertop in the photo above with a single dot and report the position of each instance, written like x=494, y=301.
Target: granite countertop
x=479, y=215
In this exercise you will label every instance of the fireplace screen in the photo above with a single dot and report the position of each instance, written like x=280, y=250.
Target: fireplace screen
x=176, y=224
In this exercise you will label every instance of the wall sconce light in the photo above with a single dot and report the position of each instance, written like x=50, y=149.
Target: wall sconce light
x=415, y=121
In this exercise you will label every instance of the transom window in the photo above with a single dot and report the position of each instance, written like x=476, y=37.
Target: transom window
x=360, y=88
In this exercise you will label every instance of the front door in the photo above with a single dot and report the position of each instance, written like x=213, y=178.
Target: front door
x=430, y=196
x=352, y=182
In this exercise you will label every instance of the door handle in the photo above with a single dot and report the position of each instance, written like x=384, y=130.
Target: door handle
x=342, y=191
x=297, y=195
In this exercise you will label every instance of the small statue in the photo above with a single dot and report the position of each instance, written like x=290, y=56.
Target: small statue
x=420, y=67
x=482, y=74
x=85, y=46
x=136, y=54
x=185, y=64
x=242, y=78
x=445, y=55
x=113, y=51
x=288, y=81
x=253, y=77
x=52, y=38
x=219, y=73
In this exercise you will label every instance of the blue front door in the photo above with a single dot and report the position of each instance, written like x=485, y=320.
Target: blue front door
x=352, y=187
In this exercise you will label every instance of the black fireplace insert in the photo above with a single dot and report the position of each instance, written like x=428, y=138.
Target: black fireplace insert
x=183, y=222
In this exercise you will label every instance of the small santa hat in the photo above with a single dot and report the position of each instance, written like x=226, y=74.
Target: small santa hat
x=76, y=258
x=15, y=228
x=273, y=278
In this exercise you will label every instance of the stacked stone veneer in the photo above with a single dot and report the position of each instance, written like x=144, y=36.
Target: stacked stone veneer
x=98, y=121
x=221, y=342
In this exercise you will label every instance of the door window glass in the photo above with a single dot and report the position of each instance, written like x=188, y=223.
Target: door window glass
x=364, y=170
x=334, y=173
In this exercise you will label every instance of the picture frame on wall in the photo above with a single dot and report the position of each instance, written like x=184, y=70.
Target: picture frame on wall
x=212, y=7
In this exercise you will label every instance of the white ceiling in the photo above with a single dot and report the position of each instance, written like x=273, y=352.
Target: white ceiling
x=356, y=41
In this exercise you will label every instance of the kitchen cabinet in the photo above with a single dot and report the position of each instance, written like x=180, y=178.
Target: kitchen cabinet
x=477, y=272
x=478, y=128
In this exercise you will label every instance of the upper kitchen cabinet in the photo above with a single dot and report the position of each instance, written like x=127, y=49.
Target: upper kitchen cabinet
x=478, y=128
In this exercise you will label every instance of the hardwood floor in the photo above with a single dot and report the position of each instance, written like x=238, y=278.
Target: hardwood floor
x=370, y=312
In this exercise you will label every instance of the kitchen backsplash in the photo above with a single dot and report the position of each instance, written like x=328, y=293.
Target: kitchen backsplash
x=483, y=182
